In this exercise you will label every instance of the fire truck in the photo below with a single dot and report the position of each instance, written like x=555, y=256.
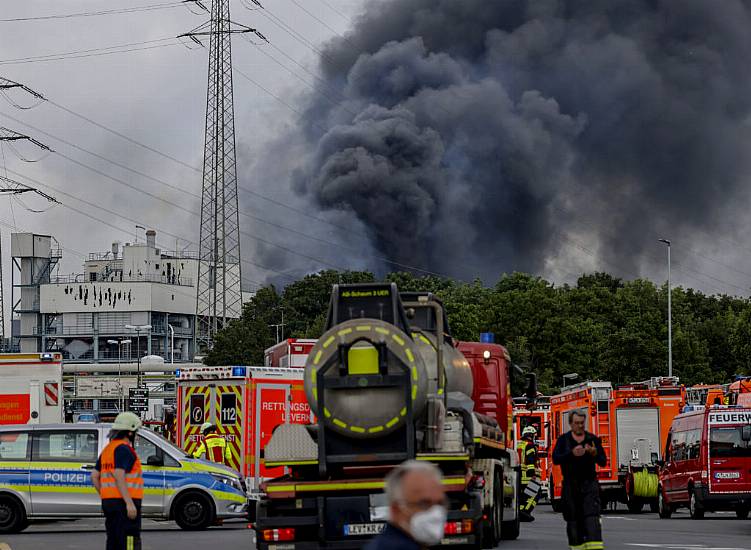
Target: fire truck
x=537, y=416
x=633, y=422
x=246, y=404
x=388, y=383
x=291, y=352
x=31, y=388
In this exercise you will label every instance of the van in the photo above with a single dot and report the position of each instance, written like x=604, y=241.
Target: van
x=45, y=472
x=707, y=464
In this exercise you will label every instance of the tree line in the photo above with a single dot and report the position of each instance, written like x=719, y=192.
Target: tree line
x=603, y=328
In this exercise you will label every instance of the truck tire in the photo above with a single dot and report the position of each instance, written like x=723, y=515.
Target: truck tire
x=510, y=529
x=741, y=513
x=694, y=508
x=491, y=528
x=12, y=515
x=193, y=511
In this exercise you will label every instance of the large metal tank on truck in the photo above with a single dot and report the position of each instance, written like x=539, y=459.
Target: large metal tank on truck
x=387, y=383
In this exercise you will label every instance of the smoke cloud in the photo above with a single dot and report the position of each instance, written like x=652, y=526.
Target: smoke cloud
x=473, y=137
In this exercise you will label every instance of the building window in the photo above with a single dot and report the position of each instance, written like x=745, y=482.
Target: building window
x=92, y=277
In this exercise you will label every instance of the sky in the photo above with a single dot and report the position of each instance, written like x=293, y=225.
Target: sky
x=302, y=109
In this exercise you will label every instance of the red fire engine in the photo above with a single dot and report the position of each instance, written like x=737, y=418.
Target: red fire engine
x=633, y=422
x=246, y=404
x=291, y=352
x=539, y=418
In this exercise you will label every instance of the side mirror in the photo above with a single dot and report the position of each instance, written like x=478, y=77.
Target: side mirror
x=155, y=460
x=746, y=433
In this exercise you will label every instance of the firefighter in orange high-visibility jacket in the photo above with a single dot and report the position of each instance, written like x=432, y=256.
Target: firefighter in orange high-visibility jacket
x=118, y=479
x=213, y=446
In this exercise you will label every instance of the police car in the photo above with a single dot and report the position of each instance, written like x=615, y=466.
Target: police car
x=45, y=472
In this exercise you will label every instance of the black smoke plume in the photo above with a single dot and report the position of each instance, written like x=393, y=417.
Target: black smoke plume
x=473, y=137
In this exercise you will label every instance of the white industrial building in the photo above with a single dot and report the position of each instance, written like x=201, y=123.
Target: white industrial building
x=91, y=316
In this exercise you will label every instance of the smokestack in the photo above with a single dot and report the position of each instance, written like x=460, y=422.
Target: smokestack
x=115, y=249
x=151, y=238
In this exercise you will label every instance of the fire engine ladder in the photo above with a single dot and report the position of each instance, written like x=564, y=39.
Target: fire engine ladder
x=603, y=428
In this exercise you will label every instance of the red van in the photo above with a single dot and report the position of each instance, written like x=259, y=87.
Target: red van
x=707, y=463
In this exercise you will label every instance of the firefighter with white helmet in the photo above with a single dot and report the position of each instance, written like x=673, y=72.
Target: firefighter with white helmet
x=527, y=449
x=213, y=447
x=118, y=478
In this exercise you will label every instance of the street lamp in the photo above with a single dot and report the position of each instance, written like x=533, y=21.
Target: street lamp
x=119, y=343
x=171, y=344
x=670, y=315
x=570, y=376
x=138, y=329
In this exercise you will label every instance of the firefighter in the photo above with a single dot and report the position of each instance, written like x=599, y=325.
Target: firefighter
x=577, y=452
x=214, y=446
x=118, y=479
x=530, y=473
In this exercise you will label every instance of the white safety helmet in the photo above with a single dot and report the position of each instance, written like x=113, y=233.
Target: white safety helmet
x=126, y=422
x=206, y=425
x=529, y=430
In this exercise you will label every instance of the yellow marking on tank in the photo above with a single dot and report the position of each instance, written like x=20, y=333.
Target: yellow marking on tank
x=315, y=393
x=414, y=392
x=375, y=429
x=440, y=391
x=403, y=412
x=424, y=339
x=363, y=328
x=392, y=422
x=339, y=423
x=409, y=355
x=414, y=373
x=357, y=429
x=329, y=341
x=397, y=339
x=317, y=358
x=380, y=330
x=326, y=413
x=344, y=332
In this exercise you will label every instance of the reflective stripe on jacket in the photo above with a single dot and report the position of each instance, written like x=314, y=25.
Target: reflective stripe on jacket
x=133, y=479
x=528, y=460
x=215, y=447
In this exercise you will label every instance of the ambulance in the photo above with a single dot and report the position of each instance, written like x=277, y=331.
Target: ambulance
x=246, y=404
x=707, y=466
x=633, y=422
x=291, y=352
x=539, y=418
x=31, y=388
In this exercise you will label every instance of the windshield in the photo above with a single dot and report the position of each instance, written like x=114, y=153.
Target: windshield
x=168, y=445
x=727, y=442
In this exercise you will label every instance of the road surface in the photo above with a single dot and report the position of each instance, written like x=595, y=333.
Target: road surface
x=622, y=531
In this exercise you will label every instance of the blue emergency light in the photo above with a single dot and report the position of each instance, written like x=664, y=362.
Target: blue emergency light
x=487, y=338
x=238, y=371
x=177, y=373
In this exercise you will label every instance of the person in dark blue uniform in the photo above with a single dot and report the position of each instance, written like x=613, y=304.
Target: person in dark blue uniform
x=577, y=452
x=417, y=508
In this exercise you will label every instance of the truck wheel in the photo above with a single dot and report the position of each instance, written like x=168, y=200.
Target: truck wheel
x=194, y=512
x=510, y=529
x=491, y=527
x=12, y=516
x=694, y=508
x=741, y=513
x=664, y=510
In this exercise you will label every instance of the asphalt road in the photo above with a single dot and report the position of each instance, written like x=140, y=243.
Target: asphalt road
x=621, y=531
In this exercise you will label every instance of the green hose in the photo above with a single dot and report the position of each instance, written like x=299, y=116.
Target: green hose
x=645, y=484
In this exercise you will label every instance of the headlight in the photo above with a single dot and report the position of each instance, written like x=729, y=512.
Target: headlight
x=229, y=480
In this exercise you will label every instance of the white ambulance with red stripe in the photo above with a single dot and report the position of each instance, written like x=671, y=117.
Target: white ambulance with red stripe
x=246, y=404
x=31, y=388
x=292, y=352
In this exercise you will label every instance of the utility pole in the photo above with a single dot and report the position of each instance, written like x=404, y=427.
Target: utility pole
x=670, y=316
x=219, y=294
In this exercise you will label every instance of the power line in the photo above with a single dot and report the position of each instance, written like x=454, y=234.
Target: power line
x=96, y=13
x=94, y=52
x=335, y=10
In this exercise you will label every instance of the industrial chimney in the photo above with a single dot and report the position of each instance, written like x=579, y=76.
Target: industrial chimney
x=115, y=250
x=151, y=238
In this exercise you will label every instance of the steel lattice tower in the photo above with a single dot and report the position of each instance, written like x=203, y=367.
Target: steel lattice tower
x=219, y=296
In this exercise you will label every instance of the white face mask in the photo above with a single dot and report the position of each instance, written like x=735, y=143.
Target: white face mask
x=427, y=527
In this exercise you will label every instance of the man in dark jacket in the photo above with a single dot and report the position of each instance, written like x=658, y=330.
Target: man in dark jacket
x=577, y=452
x=417, y=508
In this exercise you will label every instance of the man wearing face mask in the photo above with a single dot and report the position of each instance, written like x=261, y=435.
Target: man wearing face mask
x=417, y=508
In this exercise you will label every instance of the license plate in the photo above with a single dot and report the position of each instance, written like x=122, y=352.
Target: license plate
x=356, y=529
x=727, y=475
